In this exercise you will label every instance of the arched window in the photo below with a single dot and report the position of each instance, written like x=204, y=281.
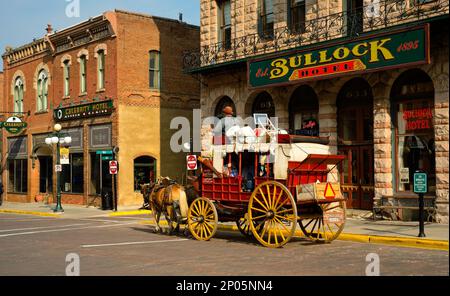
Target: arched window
x=83, y=74
x=303, y=112
x=412, y=111
x=101, y=69
x=224, y=102
x=264, y=104
x=18, y=95
x=154, y=69
x=42, y=91
x=66, y=73
x=144, y=171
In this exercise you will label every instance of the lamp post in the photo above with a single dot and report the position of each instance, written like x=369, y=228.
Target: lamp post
x=58, y=138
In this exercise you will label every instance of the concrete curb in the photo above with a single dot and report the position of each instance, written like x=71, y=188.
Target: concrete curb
x=130, y=213
x=30, y=213
x=360, y=238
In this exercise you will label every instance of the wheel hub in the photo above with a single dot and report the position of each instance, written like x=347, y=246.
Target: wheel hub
x=270, y=214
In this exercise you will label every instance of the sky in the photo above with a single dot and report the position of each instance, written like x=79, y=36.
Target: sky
x=23, y=20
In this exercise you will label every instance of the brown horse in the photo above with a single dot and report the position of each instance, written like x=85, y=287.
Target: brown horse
x=168, y=199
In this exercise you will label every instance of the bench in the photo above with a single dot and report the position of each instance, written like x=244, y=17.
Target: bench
x=393, y=204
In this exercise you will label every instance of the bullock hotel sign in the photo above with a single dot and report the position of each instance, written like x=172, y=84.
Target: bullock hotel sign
x=84, y=111
x=365, y=54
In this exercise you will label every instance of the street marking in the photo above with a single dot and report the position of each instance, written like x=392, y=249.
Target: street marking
x=64, y=229
x=43, y=227
x=135, y=243
x=99, y=220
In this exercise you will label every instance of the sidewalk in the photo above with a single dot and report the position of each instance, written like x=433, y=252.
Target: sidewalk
x=356, y=228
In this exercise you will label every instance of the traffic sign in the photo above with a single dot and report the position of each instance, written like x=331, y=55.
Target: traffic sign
x=420, y=183
x=191, y=161
x=107, y=157
x=329, y=192
x=113, y=167
x=58, y=168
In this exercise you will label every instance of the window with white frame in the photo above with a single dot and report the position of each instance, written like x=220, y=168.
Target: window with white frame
x=42, y=91
x=18, y=94
x=154, y=69
x=83, y=75
x=66, y=73
x=101, y=69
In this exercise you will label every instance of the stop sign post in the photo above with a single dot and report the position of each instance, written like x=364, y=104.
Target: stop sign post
x=191, y=162
x=113, y=167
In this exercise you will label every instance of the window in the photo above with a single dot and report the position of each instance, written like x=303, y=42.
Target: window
x=303, y=112
x=225, y=24
x=297, y=15
x=413, y=115
x=263, y=104
x=224, y=102
x=66, y=73
x=144, y=171
x=101, y=70
x=17, y=173
x=18, y=95
x=266, y=19
x=42, y=91
x=154, y=69
x=72, y=174
x=83, y=64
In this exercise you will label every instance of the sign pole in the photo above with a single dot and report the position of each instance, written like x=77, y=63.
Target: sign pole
x=421, y=187
x=421, y=217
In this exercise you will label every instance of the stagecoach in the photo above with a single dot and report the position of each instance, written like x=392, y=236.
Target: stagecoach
x=268, y=188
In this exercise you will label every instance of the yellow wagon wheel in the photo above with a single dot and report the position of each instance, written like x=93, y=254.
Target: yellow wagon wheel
x=328, y=226
x=202, y=219
x=273, y=213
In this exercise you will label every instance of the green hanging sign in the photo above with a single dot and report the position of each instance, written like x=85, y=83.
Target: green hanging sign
x=13, y=125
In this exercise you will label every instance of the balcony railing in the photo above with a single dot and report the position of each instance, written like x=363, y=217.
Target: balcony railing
x=380, y=14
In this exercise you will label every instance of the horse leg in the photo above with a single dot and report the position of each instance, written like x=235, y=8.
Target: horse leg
x=156, y=216
x=169, y=222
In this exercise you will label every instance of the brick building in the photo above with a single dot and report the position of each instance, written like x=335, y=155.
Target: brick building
x=371, y=75
x=114, y=80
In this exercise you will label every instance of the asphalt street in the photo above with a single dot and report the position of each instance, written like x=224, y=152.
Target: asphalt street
x=33, y=245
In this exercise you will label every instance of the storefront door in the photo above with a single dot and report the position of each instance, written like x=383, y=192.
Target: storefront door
x=45, y=174
x=357, y=179
x=355, y=140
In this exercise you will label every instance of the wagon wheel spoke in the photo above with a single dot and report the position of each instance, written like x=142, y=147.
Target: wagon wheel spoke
x=264, y=207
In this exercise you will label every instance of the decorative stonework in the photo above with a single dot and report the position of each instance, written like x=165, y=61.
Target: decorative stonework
x=99, y=47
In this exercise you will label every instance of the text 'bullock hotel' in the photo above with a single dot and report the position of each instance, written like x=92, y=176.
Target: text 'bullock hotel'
x=371, y=75
x=115, y=80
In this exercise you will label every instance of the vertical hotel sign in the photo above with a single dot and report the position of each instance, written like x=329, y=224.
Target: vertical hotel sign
x=365, y=54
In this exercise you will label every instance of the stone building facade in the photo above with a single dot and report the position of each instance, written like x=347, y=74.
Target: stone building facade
x=362, y=114
x=112, y=81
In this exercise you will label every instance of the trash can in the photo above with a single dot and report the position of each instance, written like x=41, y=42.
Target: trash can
x=107, y=202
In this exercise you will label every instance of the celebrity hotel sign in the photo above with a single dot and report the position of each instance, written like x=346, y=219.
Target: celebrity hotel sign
x=84, y=111
x=376, y=52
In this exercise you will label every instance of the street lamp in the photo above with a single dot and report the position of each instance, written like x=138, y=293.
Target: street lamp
x=58, y=138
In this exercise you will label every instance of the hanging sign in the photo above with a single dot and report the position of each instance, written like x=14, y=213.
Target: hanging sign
x=13, y=125
x=64, y=155
x=369, y=53
x=84, y=111
x=404, y=175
